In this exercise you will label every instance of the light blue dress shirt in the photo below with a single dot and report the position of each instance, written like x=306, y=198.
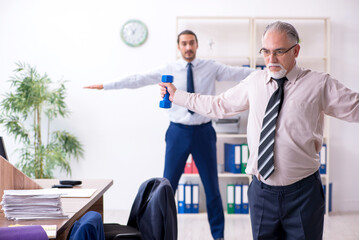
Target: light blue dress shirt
x=205, y=73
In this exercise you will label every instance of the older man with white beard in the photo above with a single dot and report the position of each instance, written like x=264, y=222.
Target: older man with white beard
x=285, y=133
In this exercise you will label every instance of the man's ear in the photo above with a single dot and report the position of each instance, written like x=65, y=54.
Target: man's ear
x=296, y=50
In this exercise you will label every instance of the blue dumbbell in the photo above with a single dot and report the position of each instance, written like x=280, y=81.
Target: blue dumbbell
x=166, y=103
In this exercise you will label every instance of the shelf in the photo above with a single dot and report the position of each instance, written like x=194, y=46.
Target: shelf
x=220, y=175
x=234, y=175
x=304, y=58
x=293, y=18
x=231, y=135
x=204, y=213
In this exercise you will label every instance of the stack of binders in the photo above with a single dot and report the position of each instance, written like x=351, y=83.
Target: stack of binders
x=188, y=198
x=235, y=157
x=237, y=200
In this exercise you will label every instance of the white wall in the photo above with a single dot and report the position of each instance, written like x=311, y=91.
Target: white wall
x=123, y=131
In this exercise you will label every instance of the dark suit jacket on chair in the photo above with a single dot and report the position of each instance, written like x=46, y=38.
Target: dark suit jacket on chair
x=154, y=210
x=89, y=226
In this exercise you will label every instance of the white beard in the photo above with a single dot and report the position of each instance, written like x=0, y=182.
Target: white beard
x=276, y=75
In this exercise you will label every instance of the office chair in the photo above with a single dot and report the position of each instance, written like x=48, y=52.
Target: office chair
x=115, y=231
x=153, y=214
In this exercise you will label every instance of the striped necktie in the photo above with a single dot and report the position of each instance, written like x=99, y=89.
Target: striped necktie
x=266, y=144
x=190, y=85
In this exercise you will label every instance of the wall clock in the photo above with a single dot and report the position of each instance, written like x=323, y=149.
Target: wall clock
x=134, y=33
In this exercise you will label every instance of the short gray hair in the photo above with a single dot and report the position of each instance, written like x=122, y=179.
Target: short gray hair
x=287, y=28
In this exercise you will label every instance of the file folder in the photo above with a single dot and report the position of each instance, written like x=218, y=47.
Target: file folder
x=188, y=166
x=323, y=159
x=180, y=197
x=230, y=198
x=237, y=198
x=329, y=195
x=232, y=158
x=244, y=158
x=187, y=198
x=245, y=206
x=195, y=198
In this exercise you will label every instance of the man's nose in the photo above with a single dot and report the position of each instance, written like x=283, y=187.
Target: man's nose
x=273, y=58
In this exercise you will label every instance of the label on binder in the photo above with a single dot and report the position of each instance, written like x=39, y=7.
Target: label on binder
x=230, y=198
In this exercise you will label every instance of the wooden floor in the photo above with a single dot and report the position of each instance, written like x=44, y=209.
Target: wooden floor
x=338, y=226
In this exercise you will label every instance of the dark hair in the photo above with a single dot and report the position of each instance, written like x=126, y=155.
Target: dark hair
x=186, y=32
x=283, y=27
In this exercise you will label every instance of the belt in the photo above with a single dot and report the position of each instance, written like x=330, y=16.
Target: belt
x=290, y=187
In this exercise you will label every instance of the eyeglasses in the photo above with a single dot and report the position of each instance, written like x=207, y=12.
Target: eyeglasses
x=278, y=52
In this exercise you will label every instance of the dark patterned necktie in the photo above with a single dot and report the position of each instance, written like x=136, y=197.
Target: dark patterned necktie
x=190, y=85
x=266, y=144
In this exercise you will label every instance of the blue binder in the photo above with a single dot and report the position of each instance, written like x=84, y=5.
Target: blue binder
x=187, y=198
x=245, y=206
x=260, y=67
x=232, y=158
x=230, y=198
x=244, y=157
x=237, y=198
x=180, y=198
x=323, y=159
x=195, y=198
x=330, y=195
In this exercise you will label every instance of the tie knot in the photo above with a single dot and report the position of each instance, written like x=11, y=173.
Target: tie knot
x=189, y=64
x=280, y=81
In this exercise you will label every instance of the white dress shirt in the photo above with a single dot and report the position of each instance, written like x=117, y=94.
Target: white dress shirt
x=308, y=95
x=205, y=73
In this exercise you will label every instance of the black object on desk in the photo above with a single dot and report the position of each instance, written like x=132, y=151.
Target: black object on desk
x=61, y=186
x=70, y=182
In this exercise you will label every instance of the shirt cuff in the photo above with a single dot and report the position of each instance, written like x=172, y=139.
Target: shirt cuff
x=180, y=98
x=107, y=86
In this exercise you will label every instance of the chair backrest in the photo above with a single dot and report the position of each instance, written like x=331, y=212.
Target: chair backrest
x=154, y=210
x=89, y=226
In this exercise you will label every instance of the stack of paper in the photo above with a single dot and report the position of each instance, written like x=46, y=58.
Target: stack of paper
x=31, y=204
x=50, y=230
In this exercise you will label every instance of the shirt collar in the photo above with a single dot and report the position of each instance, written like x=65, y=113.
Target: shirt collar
x=292, y=76
x=184, y=62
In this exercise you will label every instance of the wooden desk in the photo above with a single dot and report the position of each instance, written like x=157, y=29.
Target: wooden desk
x=74, y=207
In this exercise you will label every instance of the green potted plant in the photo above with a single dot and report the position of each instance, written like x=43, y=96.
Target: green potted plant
x=22, y=113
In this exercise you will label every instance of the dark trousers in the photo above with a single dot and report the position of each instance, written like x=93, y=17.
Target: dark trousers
x=200, y=141
x=288, y=212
